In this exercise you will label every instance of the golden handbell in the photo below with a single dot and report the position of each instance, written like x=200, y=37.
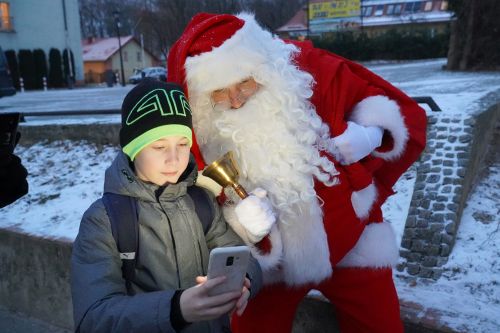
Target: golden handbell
x=224, y=171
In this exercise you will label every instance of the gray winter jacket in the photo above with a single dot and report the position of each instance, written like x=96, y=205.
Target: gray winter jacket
x=173, y=250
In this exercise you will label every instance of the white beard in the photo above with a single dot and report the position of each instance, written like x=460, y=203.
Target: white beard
x=280, y=155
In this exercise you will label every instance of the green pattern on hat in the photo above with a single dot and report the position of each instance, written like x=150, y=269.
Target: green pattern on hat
x=152, y=102
x=152, y=110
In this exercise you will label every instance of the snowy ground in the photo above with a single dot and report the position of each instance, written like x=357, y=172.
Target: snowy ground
x=66, y=177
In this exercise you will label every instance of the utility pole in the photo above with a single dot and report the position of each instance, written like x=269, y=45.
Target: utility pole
x=142, y=50
x=306, y=9
x=361, y=15
x=116, y=15
x=69, y=77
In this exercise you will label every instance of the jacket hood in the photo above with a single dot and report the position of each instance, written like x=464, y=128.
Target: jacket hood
x=120, y=178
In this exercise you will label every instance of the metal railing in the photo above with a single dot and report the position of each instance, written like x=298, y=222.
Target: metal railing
x=419, y=99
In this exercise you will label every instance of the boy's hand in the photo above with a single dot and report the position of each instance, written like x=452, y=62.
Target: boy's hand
x=256, y=214
x=243, y=300
x=357, y=142
x=197, y=305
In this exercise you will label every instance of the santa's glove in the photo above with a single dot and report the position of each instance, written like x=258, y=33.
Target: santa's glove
x=357, y=142
x=255, y=213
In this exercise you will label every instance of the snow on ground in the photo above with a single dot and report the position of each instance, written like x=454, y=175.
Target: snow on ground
x=66, y=177
x=468, y=293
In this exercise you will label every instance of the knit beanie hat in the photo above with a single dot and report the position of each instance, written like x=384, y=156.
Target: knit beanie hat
x=151, y=111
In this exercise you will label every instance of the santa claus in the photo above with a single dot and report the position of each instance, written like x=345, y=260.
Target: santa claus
x=322, y=140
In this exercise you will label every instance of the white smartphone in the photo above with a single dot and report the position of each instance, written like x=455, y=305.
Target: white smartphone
x=231, y=262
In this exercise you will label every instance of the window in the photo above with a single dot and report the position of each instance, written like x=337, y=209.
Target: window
x=389, y=10
x=444, y=5
x=417, y=6
x=368, y=11
x=428, y=6
x=379, y=11
x=412, y=7
x=125, y=56
x=139, y=56
x=5, y=18
x=397, y=9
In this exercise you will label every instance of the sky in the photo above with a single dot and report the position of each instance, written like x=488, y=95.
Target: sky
x=66, y=177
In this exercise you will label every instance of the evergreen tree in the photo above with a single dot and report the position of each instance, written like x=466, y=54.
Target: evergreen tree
x=67, y=76
x=13, y=67
x=27, y=68
x=40, y=67
x=55, y=69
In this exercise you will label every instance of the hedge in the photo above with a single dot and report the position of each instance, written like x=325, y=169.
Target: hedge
x=391, y=45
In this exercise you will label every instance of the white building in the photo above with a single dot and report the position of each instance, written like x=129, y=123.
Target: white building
x=373, y=16
x=42, y=24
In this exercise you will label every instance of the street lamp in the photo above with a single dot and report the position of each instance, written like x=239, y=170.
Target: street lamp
x=116, y=15
x=306, y=9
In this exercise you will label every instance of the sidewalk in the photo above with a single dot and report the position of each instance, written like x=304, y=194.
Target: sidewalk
x=11, y=322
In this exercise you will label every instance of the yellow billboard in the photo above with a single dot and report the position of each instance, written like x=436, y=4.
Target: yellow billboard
x=334, y=9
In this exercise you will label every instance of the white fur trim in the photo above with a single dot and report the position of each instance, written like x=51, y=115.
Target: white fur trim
x=306, y=254
x=362, y=200
x=236, y=59
x=376, y=248
x=267, y=261
x=208, y=183
x=383, y=112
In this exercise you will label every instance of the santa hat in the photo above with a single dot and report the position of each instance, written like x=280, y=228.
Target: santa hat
x=217, y=50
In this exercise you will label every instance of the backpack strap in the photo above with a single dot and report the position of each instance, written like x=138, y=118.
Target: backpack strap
x=202, y=206
x=122, y=212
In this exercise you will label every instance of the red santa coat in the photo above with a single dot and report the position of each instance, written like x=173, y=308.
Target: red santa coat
x=345, y=91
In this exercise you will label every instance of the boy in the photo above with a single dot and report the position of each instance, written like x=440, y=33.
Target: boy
x=169, y=291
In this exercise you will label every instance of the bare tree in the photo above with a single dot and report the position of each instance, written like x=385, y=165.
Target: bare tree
x=97, y=20
x=161, y=22
x=164, y=20
x=475, y=35
x=272, y=14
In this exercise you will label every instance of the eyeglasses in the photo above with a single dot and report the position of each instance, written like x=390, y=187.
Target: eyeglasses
x=222, y=99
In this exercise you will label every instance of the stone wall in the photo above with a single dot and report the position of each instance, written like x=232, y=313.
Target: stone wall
x=99, y=134
x=455, y=151
x=34, y=277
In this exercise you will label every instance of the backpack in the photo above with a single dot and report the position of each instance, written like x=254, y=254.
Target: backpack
x=122, y=213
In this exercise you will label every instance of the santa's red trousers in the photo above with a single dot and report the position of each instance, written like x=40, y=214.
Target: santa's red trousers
x=364, y=300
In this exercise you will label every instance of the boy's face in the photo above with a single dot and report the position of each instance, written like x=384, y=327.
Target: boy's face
x=163, y=161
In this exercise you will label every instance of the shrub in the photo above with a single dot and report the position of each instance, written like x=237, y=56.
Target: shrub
x=66, y=68
x=27, y=68
x=40, y=67
x=55, y=69
x=13, y=67
x=391, y=45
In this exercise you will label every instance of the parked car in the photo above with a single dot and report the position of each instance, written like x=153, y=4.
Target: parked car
x=6, y=86
x=158, y=73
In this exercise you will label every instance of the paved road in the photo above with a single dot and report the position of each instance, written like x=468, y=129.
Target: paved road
x=453, y=91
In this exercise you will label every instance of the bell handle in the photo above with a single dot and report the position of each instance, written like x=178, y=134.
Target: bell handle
x=240, y=191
